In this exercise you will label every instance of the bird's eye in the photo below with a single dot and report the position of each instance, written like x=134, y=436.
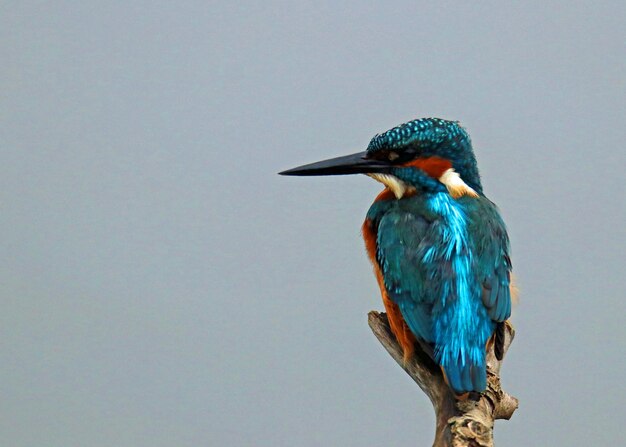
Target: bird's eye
x=392, y=156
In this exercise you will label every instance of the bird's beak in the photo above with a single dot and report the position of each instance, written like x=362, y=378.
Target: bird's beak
x=348, y=164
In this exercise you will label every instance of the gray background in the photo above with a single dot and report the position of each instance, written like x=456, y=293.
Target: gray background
x=162, y=286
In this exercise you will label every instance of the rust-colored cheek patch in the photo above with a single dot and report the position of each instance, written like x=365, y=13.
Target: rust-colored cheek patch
x=433, y=166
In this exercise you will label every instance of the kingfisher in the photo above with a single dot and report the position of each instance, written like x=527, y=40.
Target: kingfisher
x=439, y=246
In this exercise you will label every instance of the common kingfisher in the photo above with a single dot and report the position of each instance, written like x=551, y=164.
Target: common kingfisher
x=439, y=247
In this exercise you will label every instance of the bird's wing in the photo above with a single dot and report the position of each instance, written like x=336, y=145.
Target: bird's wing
x=423, y=270
x=402, y=239
x=492, y=259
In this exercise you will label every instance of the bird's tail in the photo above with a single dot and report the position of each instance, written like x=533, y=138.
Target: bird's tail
x=464, y=375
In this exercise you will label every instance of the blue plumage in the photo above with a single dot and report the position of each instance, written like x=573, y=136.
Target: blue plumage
x=436, y=257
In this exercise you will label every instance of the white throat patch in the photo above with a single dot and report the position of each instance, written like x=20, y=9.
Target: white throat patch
x=450, y=178
x=397, y=186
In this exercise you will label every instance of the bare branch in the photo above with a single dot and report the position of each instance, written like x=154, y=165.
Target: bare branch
x=460, y=423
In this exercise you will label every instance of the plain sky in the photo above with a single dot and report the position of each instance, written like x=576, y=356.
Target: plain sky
x=162, y=286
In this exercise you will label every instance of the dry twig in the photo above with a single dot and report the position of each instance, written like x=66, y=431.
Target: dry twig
x=460, y=423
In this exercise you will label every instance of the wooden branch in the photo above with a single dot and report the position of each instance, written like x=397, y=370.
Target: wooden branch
x=460, y=423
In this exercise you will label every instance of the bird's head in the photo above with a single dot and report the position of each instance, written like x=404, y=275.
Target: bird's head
x=428, y=154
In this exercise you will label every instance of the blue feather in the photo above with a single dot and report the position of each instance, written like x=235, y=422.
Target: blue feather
x=493, y=296
x=437, y=255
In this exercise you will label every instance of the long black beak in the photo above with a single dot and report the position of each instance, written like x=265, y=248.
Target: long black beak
x=348, y=164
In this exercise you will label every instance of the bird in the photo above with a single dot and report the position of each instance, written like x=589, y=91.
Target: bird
x=439, y=247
